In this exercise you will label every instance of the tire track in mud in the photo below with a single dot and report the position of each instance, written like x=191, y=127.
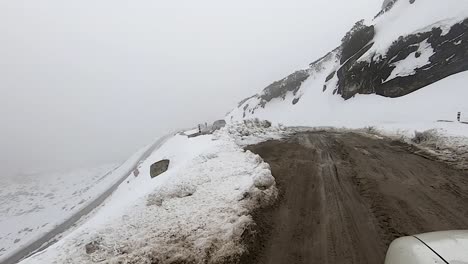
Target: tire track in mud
x=344, y=197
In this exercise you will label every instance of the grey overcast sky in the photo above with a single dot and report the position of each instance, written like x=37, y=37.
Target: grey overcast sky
x=91, y=81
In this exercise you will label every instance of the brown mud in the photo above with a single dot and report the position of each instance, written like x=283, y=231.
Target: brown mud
x=345, y=197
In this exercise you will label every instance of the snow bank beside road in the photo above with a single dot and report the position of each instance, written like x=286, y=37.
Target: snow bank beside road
x=445, y=140
x=196, y=212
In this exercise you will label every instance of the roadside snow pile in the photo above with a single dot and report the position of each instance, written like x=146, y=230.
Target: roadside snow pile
x=196, y=212
x=447, y=142
x=252, y=131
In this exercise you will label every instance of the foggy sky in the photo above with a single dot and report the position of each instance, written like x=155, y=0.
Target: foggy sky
x=91, y=81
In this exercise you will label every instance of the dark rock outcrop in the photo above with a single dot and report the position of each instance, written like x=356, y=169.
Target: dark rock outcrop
x=280, y=88
x=92, y=247
x=450, y=57
x=159, y=168
x=217, y=125
x=356, y=40
x=386, y=6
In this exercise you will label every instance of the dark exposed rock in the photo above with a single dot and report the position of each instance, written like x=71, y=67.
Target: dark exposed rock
x=386, y=6
x=450, y=57
x=329, y=77
x=265, y=124
x=92, y=247
x=280, y=88
x=245, y=100
x=387, y=3
x=356, y=39
x=159, y=168
x=351, y=80
x=136, y=172
x=217, y=125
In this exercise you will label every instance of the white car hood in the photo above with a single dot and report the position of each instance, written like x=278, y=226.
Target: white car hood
x=452, y=246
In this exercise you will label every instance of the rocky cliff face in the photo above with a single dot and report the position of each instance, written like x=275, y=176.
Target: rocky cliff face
x=449, y=55
x=409, y=45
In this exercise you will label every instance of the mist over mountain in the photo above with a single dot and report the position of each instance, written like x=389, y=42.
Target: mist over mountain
x=89, y=82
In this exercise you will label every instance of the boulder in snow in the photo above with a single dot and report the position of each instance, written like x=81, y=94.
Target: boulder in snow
x=217, y=125
x=159, y=168
x=92, y=247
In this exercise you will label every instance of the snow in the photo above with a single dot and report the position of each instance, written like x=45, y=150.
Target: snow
x=197, y=210
x=319, y=107
x=35, y=203
x=439, y=101
x=402, y=21
x=409, y=65
x=282, y=111
x=40, y=203
x=254, y=131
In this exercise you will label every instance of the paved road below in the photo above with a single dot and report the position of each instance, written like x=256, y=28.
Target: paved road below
x=344, y=197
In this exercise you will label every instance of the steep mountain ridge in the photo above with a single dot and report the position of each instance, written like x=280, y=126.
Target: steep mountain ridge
x=409, y=45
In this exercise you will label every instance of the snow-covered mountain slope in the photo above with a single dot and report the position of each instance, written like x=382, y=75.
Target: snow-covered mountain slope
x=38, y=208
x=41, y=201
x=439, y=101
x=409, y=45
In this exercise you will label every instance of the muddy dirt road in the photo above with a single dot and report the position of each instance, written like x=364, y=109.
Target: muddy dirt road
x=344, y=197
